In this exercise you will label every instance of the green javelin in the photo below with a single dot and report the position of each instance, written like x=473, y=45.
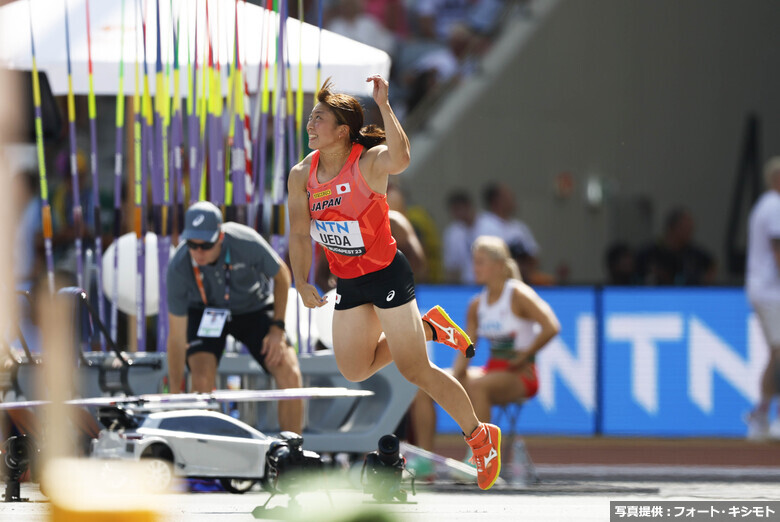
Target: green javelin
x=299, y=92
x=45, y=207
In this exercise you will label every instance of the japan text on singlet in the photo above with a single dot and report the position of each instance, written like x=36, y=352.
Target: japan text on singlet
x=350, y=220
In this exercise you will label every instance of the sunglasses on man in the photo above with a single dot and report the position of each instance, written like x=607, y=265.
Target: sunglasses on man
x=199, y=246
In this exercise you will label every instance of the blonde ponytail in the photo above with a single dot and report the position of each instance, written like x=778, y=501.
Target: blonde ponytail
x=512, y=270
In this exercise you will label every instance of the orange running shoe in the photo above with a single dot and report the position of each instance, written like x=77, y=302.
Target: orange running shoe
x=485, y=443
x=446, y=331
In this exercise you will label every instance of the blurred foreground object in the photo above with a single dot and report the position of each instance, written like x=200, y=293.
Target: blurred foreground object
x=85, y=491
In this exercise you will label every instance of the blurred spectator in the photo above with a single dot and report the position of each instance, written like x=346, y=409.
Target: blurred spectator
x=675, y=259
x=458, y=237
x=433, y=43
x=621, y=265
x=392, y=14
x=497, y=220
x=762, y=282
x=485, y=15
x=408, y=243
x=404, y=233
x=351, y=21
x=28, y=237
x=439, y=65
x=436, y=18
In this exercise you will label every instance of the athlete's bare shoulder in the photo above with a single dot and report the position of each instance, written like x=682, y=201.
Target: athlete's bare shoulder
x=301, y=169
x=305, y=163
x=372, y=153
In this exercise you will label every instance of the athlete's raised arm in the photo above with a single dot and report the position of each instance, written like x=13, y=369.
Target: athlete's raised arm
x=392, y=157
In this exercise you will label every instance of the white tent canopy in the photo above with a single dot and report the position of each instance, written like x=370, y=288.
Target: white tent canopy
x=347, y=61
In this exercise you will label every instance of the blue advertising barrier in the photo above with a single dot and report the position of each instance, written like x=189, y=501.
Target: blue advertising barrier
x=679, y=362
x=633, y=361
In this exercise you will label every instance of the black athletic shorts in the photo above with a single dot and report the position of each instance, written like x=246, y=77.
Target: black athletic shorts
x=250, y=329
x=387, y=288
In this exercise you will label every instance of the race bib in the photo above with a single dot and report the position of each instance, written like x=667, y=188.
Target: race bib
x=213, y=322
x=341, y=237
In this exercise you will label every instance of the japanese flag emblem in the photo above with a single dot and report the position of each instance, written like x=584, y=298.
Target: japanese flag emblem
x=343, y=188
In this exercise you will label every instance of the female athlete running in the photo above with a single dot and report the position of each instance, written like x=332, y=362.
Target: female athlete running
x=337, y=196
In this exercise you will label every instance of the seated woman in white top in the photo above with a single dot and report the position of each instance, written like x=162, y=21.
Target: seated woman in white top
x=514, y=320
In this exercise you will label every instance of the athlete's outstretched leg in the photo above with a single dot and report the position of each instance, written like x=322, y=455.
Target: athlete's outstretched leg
x=406, y=341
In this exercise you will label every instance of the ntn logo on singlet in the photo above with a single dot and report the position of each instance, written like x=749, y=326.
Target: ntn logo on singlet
x=341, y=237
x=326, y=203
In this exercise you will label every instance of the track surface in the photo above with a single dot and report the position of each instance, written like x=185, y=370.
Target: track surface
x=579, y=479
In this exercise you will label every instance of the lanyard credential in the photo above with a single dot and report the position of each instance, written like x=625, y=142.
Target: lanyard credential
x=199, y=279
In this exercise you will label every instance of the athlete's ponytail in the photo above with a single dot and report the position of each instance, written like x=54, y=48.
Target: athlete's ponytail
x=348, y=112
x=497, y=250
x=370, y=136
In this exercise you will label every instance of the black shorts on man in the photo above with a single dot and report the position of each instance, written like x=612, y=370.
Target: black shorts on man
x=390, y=287
x=249, y=328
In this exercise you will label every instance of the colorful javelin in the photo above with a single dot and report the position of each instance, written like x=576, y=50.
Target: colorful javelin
x=161, y=181
x=319, y=49
x=177, y=131
x=231, y=100
x=203, y=115
x=145, y=163
x=277, y=187
x=238, y=153
x=248, y=147
x=158, y=165
x=95, y=192
x=318, y=82
x=193, y=111
x=45, y=207
x=214, y=124
x=299, y=142
x=118, y=164
x=299, y=92
x=262, y=147
x=291, y=140
x=77, y=211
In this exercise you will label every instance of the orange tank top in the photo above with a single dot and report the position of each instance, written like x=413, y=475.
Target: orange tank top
x=350, y=220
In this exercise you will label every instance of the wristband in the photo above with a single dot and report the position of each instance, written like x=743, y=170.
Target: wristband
x=279, y=323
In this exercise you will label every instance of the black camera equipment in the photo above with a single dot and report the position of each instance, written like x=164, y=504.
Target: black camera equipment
x=288, y=464
x=288, y=469
x=383, y=470
x=19, y=454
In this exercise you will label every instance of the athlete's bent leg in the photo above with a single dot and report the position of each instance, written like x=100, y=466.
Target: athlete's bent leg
x=403, y=329
x=358, y=343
